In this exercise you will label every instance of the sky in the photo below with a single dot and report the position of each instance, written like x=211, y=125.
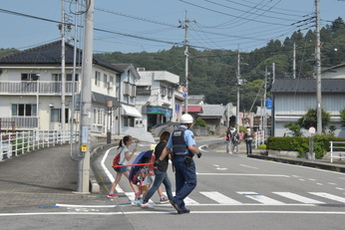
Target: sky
x=133, y=26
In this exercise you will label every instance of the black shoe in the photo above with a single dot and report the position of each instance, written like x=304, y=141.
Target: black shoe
x=178, y=209
x=186, y=211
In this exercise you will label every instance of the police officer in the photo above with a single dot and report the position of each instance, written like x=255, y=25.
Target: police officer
x=182, y=144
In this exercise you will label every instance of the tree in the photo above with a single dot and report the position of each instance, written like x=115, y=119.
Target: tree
x=294, y=128
x=342, y=117
x=310, y=119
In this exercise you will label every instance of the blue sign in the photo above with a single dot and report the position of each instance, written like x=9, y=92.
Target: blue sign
x=185, y=95
x=268, y=103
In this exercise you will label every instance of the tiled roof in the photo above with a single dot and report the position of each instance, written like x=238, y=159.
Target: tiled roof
x=51, y=54
x=308, y=86
x=213, y=110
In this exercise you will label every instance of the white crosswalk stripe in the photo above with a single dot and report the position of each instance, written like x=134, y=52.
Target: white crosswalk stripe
x=260, y=199
x=298, y=198
x=220, y=198
x=329, y=196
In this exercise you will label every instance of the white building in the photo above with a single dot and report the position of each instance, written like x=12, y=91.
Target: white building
x=158, y=97
x=31, y=96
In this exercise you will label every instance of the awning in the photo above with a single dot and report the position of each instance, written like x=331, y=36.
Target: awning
x=193, y=108
x=130, y=111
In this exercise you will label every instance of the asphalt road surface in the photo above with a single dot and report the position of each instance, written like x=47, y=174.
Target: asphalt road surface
x=233, y=192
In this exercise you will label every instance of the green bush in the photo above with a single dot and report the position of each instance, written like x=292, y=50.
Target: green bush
x=263, y=146
x=301, y=144
x=200, y=122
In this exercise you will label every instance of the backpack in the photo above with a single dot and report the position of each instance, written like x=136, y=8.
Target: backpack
x=117, y=160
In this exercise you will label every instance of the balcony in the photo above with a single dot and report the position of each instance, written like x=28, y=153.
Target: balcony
x=36, y=88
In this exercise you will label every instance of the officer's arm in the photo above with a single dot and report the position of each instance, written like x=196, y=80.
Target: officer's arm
x=193, y=149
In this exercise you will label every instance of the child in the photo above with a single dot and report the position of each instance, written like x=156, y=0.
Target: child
x=144, y=181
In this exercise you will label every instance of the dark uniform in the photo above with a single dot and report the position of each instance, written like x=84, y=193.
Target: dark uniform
x=185, y=173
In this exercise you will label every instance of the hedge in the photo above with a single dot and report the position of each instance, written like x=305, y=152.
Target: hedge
x=301, y=144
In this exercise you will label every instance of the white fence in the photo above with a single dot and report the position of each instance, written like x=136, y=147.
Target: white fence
x=13, y=144
x=338, y=148
x=259, y=138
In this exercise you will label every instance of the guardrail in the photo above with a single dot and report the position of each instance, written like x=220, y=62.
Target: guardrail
x=339, y=148
x=13, y=144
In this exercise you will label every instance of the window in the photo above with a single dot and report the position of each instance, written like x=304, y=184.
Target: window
x=55, y=115
x=57, y=77
x=26, y=110
x=29, y=77
x=105, y=80
x=170, y=93
x=163, y=91
x=97, y=78
x=98, y=116
x=129, y=121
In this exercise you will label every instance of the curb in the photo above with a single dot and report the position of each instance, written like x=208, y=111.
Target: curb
x=313, y=164
x=94, y=186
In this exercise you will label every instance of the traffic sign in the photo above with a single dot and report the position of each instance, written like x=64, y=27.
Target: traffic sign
x=312, y=130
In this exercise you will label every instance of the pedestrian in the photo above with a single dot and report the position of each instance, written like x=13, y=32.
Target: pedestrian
x=248, y=138
x=144, y=181
x=182, y=144
x=235, y=139
x=228, y=140
x=124, y=158
x=161, y=175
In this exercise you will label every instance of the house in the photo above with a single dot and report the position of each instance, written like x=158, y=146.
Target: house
x=127, y=115
x=31, y=95
x=292, y=98
x=158, y=97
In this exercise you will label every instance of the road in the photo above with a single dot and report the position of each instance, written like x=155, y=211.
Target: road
x=233, y=192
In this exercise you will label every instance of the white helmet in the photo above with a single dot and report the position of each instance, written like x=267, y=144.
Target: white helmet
x=186, y=119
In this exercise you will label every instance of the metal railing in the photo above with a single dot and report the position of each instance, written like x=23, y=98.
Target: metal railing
x=36, y=87
x=8, y=123
x=13, y=144
x=337, y=147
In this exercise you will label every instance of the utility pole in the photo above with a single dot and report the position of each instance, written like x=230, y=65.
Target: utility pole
x=238, y=75
x=318, y=68
x=294, y=60
x=63, y=72
x=264, y=105
x=86, y=106
x=72, y=137
x=184, y=25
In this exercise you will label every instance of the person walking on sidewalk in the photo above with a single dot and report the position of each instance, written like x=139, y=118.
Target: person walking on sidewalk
x=182, y=144
x=161, y=175
x=248, y=138
x=124, y=158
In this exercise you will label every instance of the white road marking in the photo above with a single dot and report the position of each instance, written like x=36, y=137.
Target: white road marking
x=299, y=198
x=248, y=166
x=261, y=198
x=155, y=212
x=329, y=196
x=220, y=198
x=241, y=174
x=107, y=172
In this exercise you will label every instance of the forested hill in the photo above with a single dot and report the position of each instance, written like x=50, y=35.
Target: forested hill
x=213, y=72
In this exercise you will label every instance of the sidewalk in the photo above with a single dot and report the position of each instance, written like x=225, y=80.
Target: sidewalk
x=40, y=178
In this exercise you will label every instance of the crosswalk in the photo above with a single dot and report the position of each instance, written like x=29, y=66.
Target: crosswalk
x=204, y=198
